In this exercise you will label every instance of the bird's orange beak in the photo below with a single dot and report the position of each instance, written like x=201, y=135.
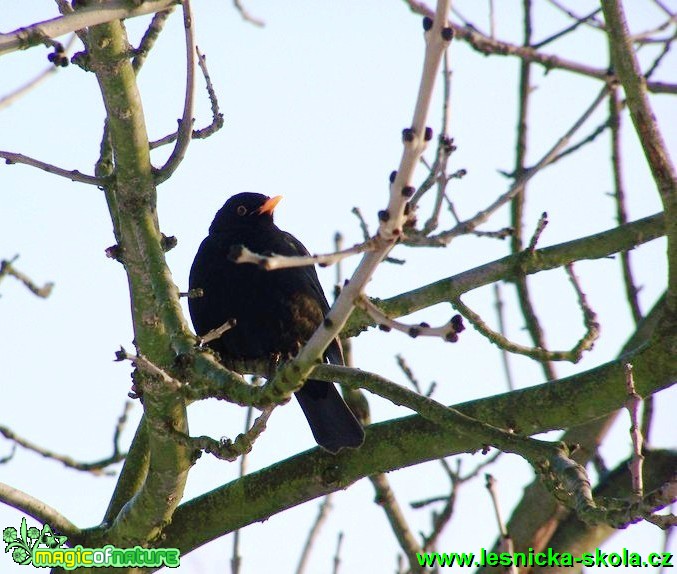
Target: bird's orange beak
x=269, y=205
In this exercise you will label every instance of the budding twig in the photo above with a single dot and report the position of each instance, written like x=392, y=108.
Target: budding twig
x=448, y=332
x=542, y=222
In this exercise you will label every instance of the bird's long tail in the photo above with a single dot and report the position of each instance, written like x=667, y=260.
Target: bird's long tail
x=332, y=423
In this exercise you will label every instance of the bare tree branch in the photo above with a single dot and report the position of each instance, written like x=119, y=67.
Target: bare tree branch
x=186, y=122
x=73, y=175
x=91, y=15
x=7, y=268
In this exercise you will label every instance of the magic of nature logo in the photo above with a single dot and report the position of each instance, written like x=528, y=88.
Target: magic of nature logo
x=44, y=548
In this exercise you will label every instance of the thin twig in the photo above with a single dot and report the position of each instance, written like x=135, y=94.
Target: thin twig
x=664, y=52
x=501, y=329
x=577, y=22
x=363, y=223
x=96, y=467
x=517, y=205
x=74, y=175
x=236, y=560
x=7, y=268
x=441, y=519
x=632, y=405
x=540, y=227
x=324, y=510
x=5, y=459
x=8, y=99
x=591, y=137
x=631, y=291
x=246, y=16
x=217, y=117
x=337, y=554
x=144, y=364
x=412, y=378
x=592, y=22
x=149, y=38
x=445, y=237
x=385, y=497
x=574, y=355
x=506, y=541
x=648, y=132
x=647, y=418
x=186, y=123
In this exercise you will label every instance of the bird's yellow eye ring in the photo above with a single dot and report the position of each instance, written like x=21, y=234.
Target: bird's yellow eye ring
x=241, y=210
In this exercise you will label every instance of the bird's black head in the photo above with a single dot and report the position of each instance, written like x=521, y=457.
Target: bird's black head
x=245, y=209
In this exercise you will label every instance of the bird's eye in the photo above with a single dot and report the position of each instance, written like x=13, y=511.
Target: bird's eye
x=241, y=210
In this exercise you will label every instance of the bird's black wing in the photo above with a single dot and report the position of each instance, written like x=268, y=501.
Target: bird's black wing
x=332, y=423
x=334, y=353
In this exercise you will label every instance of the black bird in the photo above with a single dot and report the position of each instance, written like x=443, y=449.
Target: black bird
x=276, y=311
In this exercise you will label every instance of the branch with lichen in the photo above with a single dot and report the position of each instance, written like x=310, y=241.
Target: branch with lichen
x=446, y=290
x=546, y=531
x=413, y=440
x=563, y=477
x=147, y=500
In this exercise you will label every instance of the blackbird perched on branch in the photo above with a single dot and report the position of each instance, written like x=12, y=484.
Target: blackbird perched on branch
x=275, y=311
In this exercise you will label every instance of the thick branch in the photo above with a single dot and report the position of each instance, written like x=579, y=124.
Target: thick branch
x=597, y=246
x=409, y=441
x=159, y=329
